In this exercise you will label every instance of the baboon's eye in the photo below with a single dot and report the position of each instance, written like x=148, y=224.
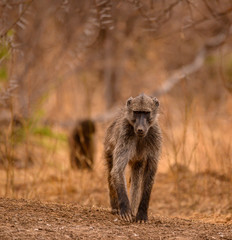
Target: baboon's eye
x=139, y=113
x=147, y=114
x=136, y=112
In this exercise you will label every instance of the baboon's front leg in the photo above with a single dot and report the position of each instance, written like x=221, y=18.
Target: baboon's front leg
x=148, y=180
x=118, y=179
x=136, y=185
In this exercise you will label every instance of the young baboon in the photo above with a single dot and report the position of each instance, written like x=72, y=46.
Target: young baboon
x=81, y=144
x=134, y=138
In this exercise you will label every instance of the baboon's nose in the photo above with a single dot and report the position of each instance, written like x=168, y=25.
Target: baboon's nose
x=140, y=131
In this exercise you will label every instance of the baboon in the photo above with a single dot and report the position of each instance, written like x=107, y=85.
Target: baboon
x=133, y=139
x=81, y=144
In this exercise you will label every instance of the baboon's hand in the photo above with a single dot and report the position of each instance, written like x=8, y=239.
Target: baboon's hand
x=126, y=214
x=141, y=217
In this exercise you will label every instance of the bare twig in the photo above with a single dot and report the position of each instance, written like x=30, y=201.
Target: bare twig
x=7, y=93
x=194, y=66
x=227, y=84
x=17, y=19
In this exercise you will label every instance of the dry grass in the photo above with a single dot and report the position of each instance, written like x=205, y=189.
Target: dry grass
x=61, y=79
x=194, y=178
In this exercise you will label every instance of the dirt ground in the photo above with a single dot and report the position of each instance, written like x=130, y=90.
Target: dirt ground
x=27, y=219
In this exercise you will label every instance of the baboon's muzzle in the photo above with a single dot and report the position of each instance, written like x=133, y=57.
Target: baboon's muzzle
x=140, y=126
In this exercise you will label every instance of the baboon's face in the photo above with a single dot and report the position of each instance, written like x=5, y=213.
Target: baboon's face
x=141, y=122
x=141, y=113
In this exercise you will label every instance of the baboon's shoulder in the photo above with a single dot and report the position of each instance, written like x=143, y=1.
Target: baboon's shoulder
x=154, y=136
x=118, y=128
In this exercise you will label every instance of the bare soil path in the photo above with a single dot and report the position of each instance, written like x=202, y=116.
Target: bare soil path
x=26, y=219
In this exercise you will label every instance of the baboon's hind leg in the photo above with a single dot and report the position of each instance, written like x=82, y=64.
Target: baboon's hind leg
x=112, y=190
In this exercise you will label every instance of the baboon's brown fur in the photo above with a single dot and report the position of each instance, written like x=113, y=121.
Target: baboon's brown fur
x=81, y=144
x=134, y=138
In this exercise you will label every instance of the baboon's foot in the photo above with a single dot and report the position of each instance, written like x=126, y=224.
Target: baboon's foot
x=125, y=214
x=114, y=211
x=141, y=217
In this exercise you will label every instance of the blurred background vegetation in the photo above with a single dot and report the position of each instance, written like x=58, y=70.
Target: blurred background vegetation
x=66, y=60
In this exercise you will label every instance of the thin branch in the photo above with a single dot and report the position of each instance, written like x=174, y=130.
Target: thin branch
x=227, y=84
x=194, y=66
x=168, y=10
x=192, y=25
x=17, y=19
x=181, y=73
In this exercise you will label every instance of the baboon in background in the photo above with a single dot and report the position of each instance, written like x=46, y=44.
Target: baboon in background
x=134, y=138
x=82, y=145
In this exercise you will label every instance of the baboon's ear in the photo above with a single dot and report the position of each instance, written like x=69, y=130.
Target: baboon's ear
x=129, y=101
x=156, y=101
